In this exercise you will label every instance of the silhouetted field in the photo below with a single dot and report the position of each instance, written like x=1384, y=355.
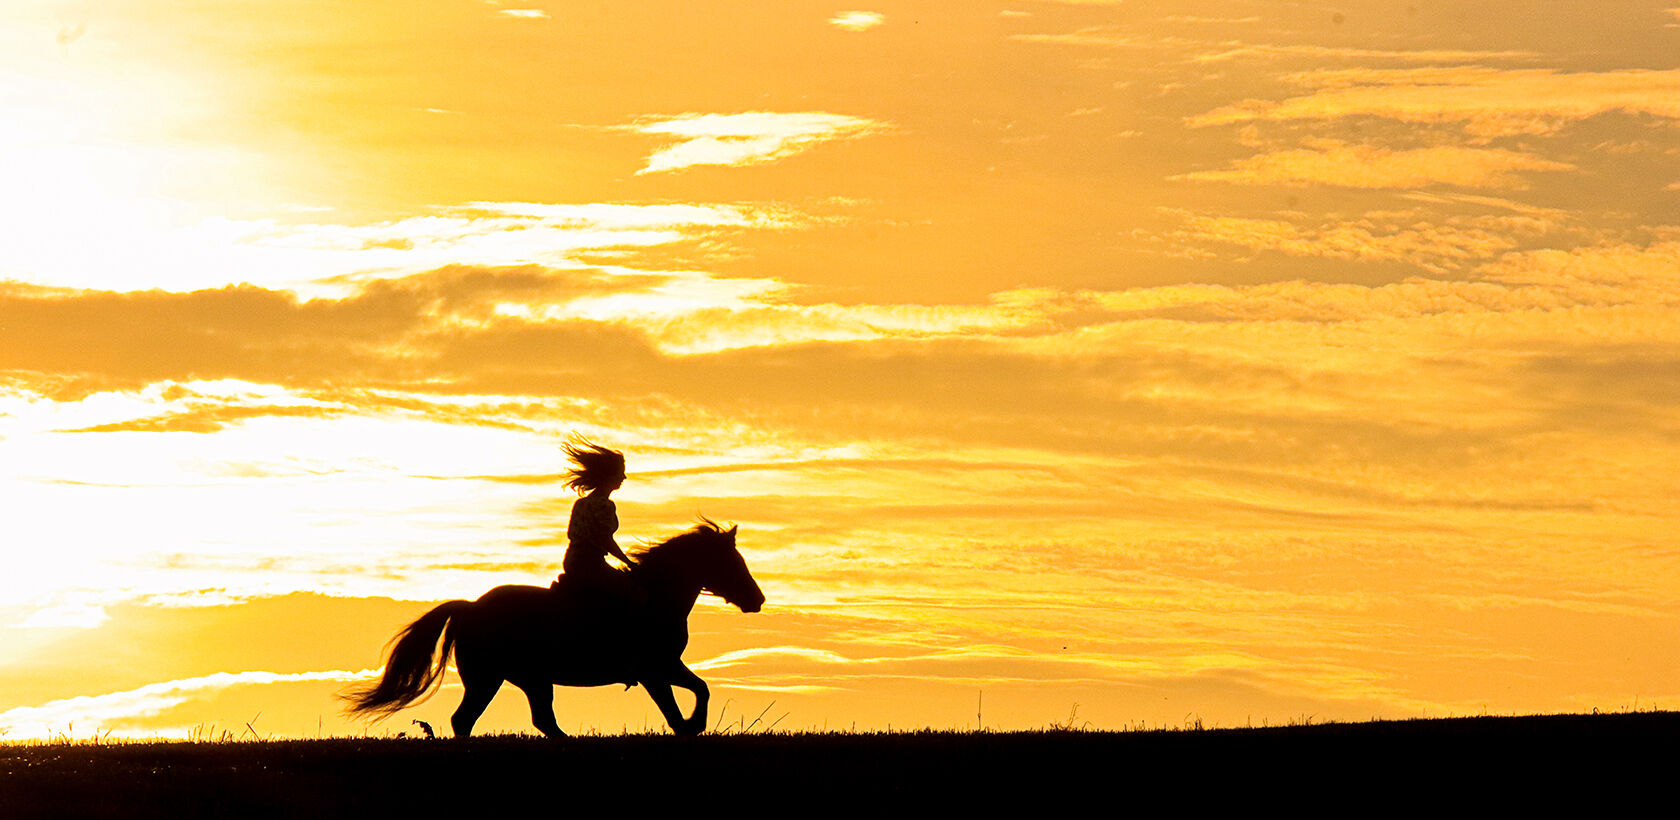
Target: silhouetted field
x=1490, y=761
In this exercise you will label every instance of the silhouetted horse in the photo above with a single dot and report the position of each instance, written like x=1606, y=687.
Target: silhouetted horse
x=536, y=637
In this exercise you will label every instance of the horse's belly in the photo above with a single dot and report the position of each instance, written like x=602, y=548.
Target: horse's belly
x=534, y=641
x=588, y=662
x=593, y=680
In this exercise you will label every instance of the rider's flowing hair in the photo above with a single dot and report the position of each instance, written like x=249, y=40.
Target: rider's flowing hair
x=596, y=465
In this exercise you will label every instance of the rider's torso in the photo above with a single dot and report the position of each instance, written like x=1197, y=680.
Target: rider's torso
x=594, y=520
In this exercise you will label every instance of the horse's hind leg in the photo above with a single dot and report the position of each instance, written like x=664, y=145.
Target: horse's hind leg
x=479, y=691
x=541, y=696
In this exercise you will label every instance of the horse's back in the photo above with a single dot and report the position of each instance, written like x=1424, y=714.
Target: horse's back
x=536, y=607
x=508, y=593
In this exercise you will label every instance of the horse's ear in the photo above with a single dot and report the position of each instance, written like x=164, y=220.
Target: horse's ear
x=732, y=529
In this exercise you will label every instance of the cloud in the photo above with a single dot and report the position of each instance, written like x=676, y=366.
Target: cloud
x=524, y=14
x=67, y=615
x=117, y=709
x=797, y=668
x=597, y=335
x=1369, y=166
x=261, y=335
x=1234, y=51
x=1551, y=214
x=857, y=20
x=1209, y=20
x=1436, y=247
x=1108, y=36
x=445, y=318
x=1490, y=102
x=336, y=259
x=1619, y=271
x=1210, y=51
x=741, y=656
x=748, y=138
x=760, y=324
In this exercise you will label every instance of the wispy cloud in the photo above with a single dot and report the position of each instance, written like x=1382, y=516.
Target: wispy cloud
x=1619, y=271
x=335, y=259
x=1209, y=20
x=748, y=138
x=741, y=656
x=1212, y=51
x=1224, y=52
x=524, y=14
x=1369, y=166
x=118, y=710
x=1435, y=247
x=857, y=20
x=1490, y=102
x=1093, y=36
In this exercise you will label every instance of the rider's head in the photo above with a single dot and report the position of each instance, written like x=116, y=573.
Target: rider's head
x=598, y=468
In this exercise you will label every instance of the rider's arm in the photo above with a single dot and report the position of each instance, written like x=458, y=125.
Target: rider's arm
x=609, y=525
x=612, y=548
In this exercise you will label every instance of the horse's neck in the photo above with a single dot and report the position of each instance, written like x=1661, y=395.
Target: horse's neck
x=670, y=593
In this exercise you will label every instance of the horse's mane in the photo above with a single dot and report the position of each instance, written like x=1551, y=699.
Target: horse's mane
x=656, y=554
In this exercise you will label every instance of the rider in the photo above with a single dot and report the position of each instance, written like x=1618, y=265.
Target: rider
x=589, y=534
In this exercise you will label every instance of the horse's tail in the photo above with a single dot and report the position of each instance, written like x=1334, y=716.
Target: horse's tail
x=410, y=673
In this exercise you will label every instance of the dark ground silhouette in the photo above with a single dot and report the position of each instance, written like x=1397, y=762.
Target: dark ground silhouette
x=1435, y=768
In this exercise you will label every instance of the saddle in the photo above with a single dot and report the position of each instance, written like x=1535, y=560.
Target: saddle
x=614, y=588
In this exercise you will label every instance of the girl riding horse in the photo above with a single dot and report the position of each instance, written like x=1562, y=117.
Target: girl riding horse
x=589, y=533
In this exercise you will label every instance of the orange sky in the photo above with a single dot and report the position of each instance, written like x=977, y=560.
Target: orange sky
x=1233, y=359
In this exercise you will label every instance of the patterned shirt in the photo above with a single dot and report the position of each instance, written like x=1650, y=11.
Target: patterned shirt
x=594, y=520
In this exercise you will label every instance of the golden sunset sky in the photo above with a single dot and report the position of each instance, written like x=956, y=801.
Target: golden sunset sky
x=1222, y=359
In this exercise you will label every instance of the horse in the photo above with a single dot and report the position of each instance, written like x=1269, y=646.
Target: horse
x=571, y=635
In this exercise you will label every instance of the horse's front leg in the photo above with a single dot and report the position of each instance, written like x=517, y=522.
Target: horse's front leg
x=685, y=677
x=659, y=689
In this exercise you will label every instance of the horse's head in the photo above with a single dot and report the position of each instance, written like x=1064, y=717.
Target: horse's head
x=706, y=556
x=726, y=574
